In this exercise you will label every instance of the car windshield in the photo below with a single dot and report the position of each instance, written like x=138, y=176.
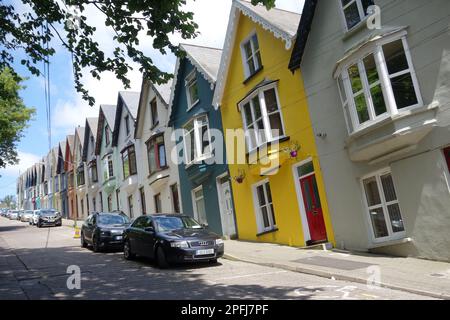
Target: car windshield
x=47, y=213
x=166, y=224
x=110, y=219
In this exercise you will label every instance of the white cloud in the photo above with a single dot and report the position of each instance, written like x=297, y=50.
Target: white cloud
x=26, y=160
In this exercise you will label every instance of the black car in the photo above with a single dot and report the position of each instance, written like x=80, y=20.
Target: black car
x=104, y=229
x=49, y=217
x=171, y=238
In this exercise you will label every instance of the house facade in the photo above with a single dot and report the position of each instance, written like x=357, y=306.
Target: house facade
x=69, y=166
x=91, y=164
x=159, y=189
x=378, y=96
x=107, y=158
x=277, y=180
x=202, y=168
x=80, y=172
x=128, y=153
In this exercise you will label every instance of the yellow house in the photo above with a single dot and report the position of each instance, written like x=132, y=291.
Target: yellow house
x=277, y=184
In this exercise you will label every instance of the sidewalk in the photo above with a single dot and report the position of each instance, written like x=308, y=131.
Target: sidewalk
x=412, y=275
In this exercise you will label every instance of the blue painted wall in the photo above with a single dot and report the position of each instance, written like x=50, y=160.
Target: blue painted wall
x=198, y=174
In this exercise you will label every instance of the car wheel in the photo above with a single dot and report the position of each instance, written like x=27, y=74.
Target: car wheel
x=83, y=242
x=127, y=253
x=161, y=258
x=95, y=245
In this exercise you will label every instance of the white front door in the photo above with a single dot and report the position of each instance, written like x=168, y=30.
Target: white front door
x=227, y=212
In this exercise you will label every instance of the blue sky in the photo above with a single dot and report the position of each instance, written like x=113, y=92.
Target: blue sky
x=69, y=110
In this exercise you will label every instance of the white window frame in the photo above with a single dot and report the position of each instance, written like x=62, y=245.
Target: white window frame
x=384, y=205
x=198, y=140
x=258, y=213
x=265, y=116
x=245, y=60
x=385, y=79
x=195, y=199
x=362, y=15
x=190, y=81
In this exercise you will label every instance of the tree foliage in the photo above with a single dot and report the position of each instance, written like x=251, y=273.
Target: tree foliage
x=14, y=116
x=33, y=31
x=9, y=201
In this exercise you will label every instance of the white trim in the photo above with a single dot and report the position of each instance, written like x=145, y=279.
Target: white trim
x=198, y=141
x=194, y=201
x=362, y=15
x=220, y=198
x=191, y=77
x=257, y=208
x=245, y=61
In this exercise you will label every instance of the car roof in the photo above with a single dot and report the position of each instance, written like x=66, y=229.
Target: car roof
x=168, y=215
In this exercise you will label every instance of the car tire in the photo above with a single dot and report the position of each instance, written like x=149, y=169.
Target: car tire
x=161, y=260
x=127, y=253
x=95, y=245
x=83, y=241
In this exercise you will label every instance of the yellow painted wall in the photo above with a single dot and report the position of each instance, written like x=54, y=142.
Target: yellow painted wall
x=275, y=59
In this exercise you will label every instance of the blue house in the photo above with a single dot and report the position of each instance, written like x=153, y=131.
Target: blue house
x=204, y=178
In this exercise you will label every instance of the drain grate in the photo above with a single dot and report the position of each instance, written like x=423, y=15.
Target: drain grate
x=333, y=263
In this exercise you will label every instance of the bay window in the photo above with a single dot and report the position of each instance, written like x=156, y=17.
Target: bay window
x=197, y=140
x=355, y=11
x=377, y=83
x=156, y=154
x=129, y=162
x=383, y=207
x=262, y=118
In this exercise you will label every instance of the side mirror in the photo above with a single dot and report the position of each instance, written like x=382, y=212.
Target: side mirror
x=149, y=229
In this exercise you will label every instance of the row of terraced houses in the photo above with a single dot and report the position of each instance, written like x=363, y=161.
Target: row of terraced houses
x=346, y=133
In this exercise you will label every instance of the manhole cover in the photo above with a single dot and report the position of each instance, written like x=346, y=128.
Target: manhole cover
x=334, y=263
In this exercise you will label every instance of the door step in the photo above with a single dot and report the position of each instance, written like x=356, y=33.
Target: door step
x=320, y=246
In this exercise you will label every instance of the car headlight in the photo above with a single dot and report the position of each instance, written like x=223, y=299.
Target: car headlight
x=219, y=241
x=179, y=244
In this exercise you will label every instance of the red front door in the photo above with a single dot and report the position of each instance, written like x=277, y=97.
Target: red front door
x=313, y=209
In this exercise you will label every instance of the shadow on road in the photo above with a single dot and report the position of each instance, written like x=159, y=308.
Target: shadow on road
x=11, y=228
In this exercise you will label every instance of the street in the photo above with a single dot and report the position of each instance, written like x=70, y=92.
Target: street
x=34, y=262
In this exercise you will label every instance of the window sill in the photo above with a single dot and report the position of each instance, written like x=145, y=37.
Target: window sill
x=154, y=126
x=198, y=161
x=193, y=105
x=275, y=229
x=389, y=243
x=268, y=144
x=154, y=173
x=250, y=77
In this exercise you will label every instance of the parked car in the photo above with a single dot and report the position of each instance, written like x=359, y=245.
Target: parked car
x=35, y=217
x=171, y=238
x=13, y=214
x=26, y=216
x=48, y=217
x=104, y=229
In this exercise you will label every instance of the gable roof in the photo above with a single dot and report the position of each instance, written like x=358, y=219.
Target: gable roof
x=280, y=23
x=91, y=126
x=107, y=113
x=130, y=100
x=163, y=90
x=303, y=31
x=79, y=131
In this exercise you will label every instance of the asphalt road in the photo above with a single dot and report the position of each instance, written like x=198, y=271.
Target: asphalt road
x=34, y=264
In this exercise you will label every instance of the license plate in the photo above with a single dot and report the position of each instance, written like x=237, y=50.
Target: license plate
x=204, y=252
x=118, y=237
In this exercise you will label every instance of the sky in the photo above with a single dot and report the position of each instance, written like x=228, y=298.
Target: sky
x=68, y=110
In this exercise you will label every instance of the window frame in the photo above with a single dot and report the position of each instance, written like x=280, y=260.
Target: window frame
x=375, y=49
x=107, y=137
x=258, y=64
x=189, y=81
x=195, y=200
x=157, y=202
x=265, y=116
x=154, y=119
x=362, y=15
x=143, y=203
x=93, y=169
x=392, y=236
x=127, y=153
x=175, y=207
x=257, y=208
x=198, y=141
x=81, y=181
x=152, y=142
x=127, y=125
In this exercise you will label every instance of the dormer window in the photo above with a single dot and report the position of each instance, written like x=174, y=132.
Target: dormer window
x=251, y=55
x=107, y=135
x=154, y=112
x=378, y=83
x=127, y=124
x=191, y=89
x=355, y=11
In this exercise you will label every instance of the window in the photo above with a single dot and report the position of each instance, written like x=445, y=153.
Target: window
x=107, y=135
x=127, y=124
x=80, y=176
x=261, y=115
x=251, y=55
x=93, y=174
x=355, y=11
x=447, y=157
x=156, y=154
x=199, y=205
x=383, y=207
x=154, y=112
x=157, y=199
x=101, y=201
x=129, y=162
x=108, y=168
x=197, y=140
x=143, y=205
x=175, y=198
x=130, y=206
x=378, y=84
x=110, y=203
x=265, y=213
x=191, y=89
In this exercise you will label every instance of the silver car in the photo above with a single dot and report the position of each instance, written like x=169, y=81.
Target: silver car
x=13, y=215
x=26, y=216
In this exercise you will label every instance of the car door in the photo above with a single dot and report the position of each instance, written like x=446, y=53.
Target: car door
x=90, y=228
x=135, y=235
x=148, y=238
